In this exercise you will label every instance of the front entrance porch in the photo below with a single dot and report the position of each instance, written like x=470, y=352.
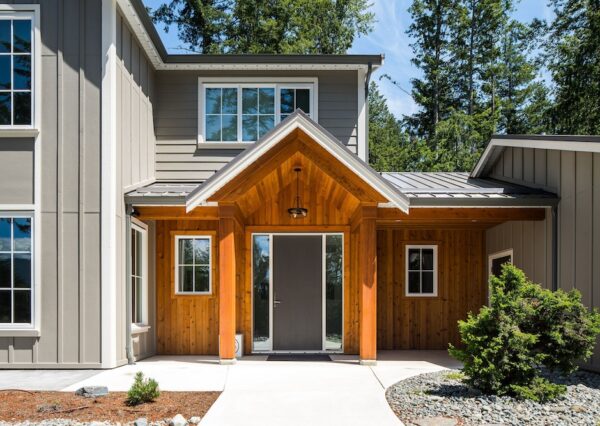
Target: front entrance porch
x=356, y=273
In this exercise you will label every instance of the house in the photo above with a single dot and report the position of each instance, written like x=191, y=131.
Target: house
x=165, y=204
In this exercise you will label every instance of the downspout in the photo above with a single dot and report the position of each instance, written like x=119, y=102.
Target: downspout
x=367, y=82
x=555, y=247
x=128, y=343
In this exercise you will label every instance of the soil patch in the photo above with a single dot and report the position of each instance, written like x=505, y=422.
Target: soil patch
x=37, y=406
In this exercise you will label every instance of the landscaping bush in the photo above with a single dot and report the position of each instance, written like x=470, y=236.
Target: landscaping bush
x=142, y=390
x=524, y=329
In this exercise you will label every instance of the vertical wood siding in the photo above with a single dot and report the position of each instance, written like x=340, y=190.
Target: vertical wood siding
x=575, y=177
x=177, y=155
x=70, y=138
x=428, y=322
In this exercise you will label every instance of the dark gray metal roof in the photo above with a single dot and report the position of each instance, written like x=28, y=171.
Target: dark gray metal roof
x=161, y=193
x=459, y=190
x=142, y=13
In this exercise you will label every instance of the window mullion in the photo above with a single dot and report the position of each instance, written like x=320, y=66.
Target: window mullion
x=12, y=73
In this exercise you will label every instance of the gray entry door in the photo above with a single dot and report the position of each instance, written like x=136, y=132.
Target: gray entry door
x=297, y=293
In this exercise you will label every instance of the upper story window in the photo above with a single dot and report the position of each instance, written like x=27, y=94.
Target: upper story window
x=244, y=112
x=16, y=69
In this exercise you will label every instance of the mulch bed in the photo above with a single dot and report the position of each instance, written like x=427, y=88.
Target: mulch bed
x=37, y=406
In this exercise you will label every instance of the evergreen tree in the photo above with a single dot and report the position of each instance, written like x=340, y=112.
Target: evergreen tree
x=573, y=52
x=431, y=43
x=267, y=26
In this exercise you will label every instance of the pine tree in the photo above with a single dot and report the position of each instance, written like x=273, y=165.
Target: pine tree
x=431, y=43
x=573, y=52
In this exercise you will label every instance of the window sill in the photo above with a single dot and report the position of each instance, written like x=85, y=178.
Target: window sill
x=19, y=332
x=224, y=145
x=139, y=329
x=18, y=133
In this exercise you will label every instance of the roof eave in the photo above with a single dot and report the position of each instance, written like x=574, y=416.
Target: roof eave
x=322, y=137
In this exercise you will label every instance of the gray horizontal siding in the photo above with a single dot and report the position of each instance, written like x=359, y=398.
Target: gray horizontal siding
x=575, y=177
x=70, y=220
x=176, y=119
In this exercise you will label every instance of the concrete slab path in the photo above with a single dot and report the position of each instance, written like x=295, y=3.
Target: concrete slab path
x=261, y=392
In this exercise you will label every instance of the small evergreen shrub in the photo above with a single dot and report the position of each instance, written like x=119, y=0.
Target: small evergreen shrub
x=524, y=329
x=142, y=390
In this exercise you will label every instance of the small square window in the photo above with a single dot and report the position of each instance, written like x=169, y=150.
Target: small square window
x=193, y=269
x=421, y=270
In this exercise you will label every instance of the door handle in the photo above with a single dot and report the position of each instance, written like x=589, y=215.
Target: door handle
x=276, y=302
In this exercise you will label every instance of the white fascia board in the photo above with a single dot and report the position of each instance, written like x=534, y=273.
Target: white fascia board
x=548, y=144
x=299, y=122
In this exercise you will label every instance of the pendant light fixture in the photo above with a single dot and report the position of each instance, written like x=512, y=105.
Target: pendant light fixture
x=298, y=211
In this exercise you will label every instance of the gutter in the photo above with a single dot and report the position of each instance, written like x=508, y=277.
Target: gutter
x=128, y=294
x=555, y=247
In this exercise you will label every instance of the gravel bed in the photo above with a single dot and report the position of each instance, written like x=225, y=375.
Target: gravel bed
x=441, y=398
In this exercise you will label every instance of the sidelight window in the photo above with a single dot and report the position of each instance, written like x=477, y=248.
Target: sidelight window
x=421, y=270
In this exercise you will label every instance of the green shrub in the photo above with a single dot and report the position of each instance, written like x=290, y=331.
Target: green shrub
x=142, y=390
x=524, y=329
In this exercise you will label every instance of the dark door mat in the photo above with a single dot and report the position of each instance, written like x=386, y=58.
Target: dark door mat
x=299, y=357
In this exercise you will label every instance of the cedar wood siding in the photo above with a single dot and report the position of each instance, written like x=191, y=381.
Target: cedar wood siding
x=575, y=177
x=70, y=193
x=178, y=157
x=136, y=144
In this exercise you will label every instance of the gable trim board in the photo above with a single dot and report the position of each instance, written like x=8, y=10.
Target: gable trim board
x=560, y=143
x=297, y=120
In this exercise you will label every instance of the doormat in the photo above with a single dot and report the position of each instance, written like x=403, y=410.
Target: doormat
x=299, y=357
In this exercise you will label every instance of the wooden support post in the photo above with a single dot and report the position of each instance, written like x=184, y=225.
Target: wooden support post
x=227, y=284
x=367, y=270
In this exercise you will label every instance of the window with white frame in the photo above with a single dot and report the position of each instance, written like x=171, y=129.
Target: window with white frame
x=421, y=270
x=496, y=261
x=16, y=270
x=16, y=69
x=193, y=269
x=245, y=112
x=139, y=275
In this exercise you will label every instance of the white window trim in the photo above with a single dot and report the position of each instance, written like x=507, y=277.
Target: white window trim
x=34, y=262
x=142, y=228
x=22, y=10
x=494, y=256
x=311, y=83
x=210, y=264
x=435, y=270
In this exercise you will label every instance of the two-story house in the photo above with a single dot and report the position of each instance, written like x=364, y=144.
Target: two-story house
x=164, y=204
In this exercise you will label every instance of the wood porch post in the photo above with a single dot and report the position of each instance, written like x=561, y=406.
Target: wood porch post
x=367, y=276
x=227, y=284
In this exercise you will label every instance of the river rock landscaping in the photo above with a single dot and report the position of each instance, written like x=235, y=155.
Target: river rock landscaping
x=69, y=409
x=442, y=398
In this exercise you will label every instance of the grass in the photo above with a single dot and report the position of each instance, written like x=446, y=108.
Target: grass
x=454, y=375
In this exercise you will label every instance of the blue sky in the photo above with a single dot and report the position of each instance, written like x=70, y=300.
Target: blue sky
x=388, y=37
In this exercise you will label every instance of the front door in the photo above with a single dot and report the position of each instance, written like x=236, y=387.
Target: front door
x=297, y=292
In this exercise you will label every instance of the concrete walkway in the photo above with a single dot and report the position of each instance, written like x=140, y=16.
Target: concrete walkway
x=260, y=392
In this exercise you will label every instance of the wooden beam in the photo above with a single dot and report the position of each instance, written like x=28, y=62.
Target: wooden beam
x=448, y=215
x=176, y=213
x=367, y=270
x=227, y=285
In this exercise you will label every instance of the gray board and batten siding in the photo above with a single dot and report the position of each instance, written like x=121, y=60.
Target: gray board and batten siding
x=575, y=177
x=70, y=322
x=136, y=140
x=178, y=155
